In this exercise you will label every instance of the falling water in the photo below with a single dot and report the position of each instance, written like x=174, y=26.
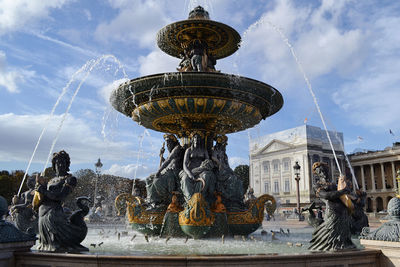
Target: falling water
x=87, y=67
x=95, y=63
x=64, y=90
x=286, y=40
x=145, y=133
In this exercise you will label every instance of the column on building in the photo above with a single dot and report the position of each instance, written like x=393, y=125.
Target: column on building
x=362, y=177
x=394, y=176
x=383, y=176
x=372, y=177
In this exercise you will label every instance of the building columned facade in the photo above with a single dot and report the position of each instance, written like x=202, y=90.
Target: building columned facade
x=272, y=158
x=376, y=175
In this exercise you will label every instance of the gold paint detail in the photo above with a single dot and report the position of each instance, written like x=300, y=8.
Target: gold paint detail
x=121, y=202
x=255, y=213
x=139, y=215
x=195, y=213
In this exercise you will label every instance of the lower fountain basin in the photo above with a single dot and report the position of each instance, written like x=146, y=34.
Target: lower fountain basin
x=186, y=101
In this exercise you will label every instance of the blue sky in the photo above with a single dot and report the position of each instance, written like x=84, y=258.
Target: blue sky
x=350, y=51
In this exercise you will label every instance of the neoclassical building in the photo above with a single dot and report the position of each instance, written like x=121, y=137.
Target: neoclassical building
x=376, y=174
x=272, y=158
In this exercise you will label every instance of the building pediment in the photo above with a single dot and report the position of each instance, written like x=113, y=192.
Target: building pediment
x=273, y=146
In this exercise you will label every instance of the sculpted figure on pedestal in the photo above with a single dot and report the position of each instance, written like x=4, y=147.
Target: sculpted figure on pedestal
x=159, y=186
x=57, y=231
x=334, y=233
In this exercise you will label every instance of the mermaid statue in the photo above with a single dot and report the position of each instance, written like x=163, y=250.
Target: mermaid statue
x=57, y=231
x=333, y=233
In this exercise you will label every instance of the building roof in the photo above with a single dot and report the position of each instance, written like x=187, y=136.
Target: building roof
x=302, y=135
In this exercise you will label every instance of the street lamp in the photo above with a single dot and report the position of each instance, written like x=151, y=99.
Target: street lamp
x=296, y=169
x=98, y=166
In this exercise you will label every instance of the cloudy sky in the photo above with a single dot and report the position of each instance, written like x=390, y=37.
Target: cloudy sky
x=51, y=51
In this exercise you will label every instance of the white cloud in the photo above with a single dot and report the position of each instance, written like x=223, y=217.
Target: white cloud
x=235, y=161
x=17, y=14
x=321, y=45
x=10, y=79
x=137, y=23
x=371, y=99
x=157, y=62
x=130, y=170
x=19, y=134
x=106, y=91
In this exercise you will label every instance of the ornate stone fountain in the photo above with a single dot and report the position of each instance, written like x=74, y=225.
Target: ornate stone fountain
x=198, y=105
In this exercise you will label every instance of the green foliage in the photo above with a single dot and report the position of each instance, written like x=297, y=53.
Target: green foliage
x=86, y=179
x=242, y=172
x=10, y=183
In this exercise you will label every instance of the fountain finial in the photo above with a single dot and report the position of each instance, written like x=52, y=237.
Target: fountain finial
x=199, y=13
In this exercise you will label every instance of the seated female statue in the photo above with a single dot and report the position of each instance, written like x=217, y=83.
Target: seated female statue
x=197, y=175
x=57, y=231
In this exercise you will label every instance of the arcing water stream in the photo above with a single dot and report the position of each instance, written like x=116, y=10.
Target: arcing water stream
x=87, y=68
x=299, y=65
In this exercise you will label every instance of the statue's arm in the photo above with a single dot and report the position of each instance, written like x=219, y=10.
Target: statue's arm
x=185, y=163
x=214, y=157
x=58, y=196
x=332, y=195
x=171, y=156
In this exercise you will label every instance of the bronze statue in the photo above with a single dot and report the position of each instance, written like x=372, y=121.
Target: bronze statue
x=198, y=174
x=334, y=233
x=23, y=215
x=359, y=219
x=159, y=186
x=230, y=186
x=57, y=231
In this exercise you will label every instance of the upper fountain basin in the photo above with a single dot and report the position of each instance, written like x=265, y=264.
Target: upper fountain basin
x=182, y=102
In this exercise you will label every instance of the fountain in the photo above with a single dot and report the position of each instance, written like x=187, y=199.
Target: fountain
x=198, y=105
x=195, y=193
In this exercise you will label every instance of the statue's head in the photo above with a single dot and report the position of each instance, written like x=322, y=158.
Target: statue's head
x=199, y=13
x=221, y=140
x=196, y=138
x=171, y=140
x=61, y=162
x=321, y=170
x=31, y=182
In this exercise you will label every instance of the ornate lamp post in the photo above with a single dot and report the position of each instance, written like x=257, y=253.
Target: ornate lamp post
x=296, y=169
x=98, y=166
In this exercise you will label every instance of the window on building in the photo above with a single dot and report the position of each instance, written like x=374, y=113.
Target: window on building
x=276, y=187
x=266, y=166
x=266, y=187
x=287, y=185
x=276, y=167
x=286, y=165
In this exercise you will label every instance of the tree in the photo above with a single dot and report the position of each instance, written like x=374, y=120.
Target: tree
x=242, y=172
x=86, y=179
x=10, y=183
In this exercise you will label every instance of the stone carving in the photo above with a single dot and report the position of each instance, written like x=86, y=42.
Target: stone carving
x=334, y=233
x=159, y=186
x=57, y=231
x=23, y=215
